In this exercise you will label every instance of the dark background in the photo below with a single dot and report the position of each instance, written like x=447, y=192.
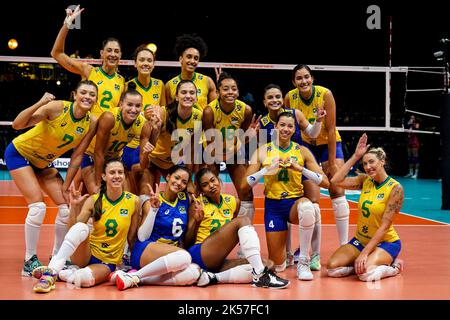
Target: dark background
x=278, y=32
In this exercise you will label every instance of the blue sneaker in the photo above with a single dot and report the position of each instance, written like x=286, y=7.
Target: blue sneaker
x=30, y=265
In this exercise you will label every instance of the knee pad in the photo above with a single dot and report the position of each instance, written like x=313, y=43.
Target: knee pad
x=241, y=274
x=247, y=209
x=83, y=278
x=36, y=214
x=187, y=276
x=341, y=208
x=249, y=241
x=77, y=234
x=177, y=260
x=306, y=214
x=63, y=215
x=317, y=214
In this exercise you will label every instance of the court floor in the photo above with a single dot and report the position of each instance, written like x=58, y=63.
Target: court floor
x=426, y=252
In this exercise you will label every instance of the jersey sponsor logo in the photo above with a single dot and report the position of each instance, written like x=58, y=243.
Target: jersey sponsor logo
x=100, y=82
x=155, y=82
x=80, y=130
x=182, y=209
x=63, y=124
x=390, y=183
x=380, y=196
x=138, y=122
x=167, y=212
x=105, y=245
x=284, y=194
x=195, y=116
x=123, y=212
x=51, y=156
x=318, y=94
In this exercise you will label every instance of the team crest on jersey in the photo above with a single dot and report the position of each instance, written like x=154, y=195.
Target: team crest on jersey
x=226, y=212
x=390, y=183
x=199, y=91
x=380, y=196
x=123, y=212
x=294, y=96
x=284, y=194
x=182, y=210
x=318, y=94
x=227, y=199
x=80, y=130
x=155, y=96
x=181, y=196
x=195, y=116
x=128, y=196
x=200, y=77
x=116, y=87
x=155, y=82
x=297, y=147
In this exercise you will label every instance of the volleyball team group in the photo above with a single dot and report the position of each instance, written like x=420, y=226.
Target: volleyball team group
x=116, y=223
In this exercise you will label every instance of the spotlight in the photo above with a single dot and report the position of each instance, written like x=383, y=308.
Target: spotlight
x=12, y=44
x=58, y=83
x=438, y=54
x=444, y=40
x=152, y=47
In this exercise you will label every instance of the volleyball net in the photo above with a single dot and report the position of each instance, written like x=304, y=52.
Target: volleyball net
x=368, y=98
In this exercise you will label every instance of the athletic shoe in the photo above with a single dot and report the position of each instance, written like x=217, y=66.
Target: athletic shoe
x=315, y=262
x=30, y=265
x=414, y=176
x=409, y=175
x=45, y=284
x=296, y=255
x=126, y=280
x=113, y=275
x=303, y=270
x=268, y=279
x=41, y=270
x=206, y=279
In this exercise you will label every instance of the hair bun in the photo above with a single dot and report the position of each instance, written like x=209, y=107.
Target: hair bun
x=131, y=85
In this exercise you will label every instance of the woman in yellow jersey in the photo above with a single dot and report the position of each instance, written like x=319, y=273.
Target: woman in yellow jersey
x=327, y=147
x=116, y=216
x=116, y=128
x=181, y=124
x=153, y=97
x=110, y=84
x=273, y=101
x=190, y=49
x=59, y=126
x=284, y=163
x=373, y=252
x=233, y=121
x=214, y=232
x=157, y=255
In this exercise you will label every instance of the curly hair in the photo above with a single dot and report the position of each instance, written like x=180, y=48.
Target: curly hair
x=187, y=41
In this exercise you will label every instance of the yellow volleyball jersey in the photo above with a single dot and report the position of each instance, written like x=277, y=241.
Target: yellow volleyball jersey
x=215, y=216
x=151, y=95
x=120, y=135
x=49, y=139
x=227, y=123
x=200, y=81
x=286, y=183
x=110, y=88
x=309, y=108
x=161, y=155
x=371, y=206
x=109, y=235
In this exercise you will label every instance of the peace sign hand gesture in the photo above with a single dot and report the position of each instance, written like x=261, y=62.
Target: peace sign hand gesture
x=75, y=197
x=254, y=126
x=72, y=15
x=154, y=196
x=198, y=212
x=321, y=112
x=218, y=72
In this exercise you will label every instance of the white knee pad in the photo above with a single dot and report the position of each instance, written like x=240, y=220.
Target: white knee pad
x=341, y=208
x=187, y=276
x=62, y=217
x=317, y=214
x=306, y=215
x=83, y=278
x=247, y=209
x=36, y=214
x=77, y=234
x=177, y=260
x=249, y=241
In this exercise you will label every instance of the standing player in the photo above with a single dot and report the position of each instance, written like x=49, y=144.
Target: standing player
x=227, y=114
x=373, y=252
x=116, y=216
x=190, y=49
x=110, y=84
x=327, y=147
x=284, y=163
x=413, y=146
x=58, y=127
x=153, y=97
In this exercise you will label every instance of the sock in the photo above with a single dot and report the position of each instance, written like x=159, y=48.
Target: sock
x=33, y=222
x=239, y=274
x=250, y=246
x=60, y=226
x=317, y=232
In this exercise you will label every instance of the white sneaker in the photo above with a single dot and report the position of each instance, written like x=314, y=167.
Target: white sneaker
x=126, y=280
x=414, y=176
x=303, y=270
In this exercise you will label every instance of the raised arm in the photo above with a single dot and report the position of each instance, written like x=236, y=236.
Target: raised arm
x=37, y=112
x=196, y=214
x=58, y=53
x=354, y=183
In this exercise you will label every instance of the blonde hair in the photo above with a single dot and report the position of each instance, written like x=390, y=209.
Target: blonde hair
x=379, y=153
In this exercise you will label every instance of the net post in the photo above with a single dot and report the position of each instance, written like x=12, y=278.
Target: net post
x=445, y=147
